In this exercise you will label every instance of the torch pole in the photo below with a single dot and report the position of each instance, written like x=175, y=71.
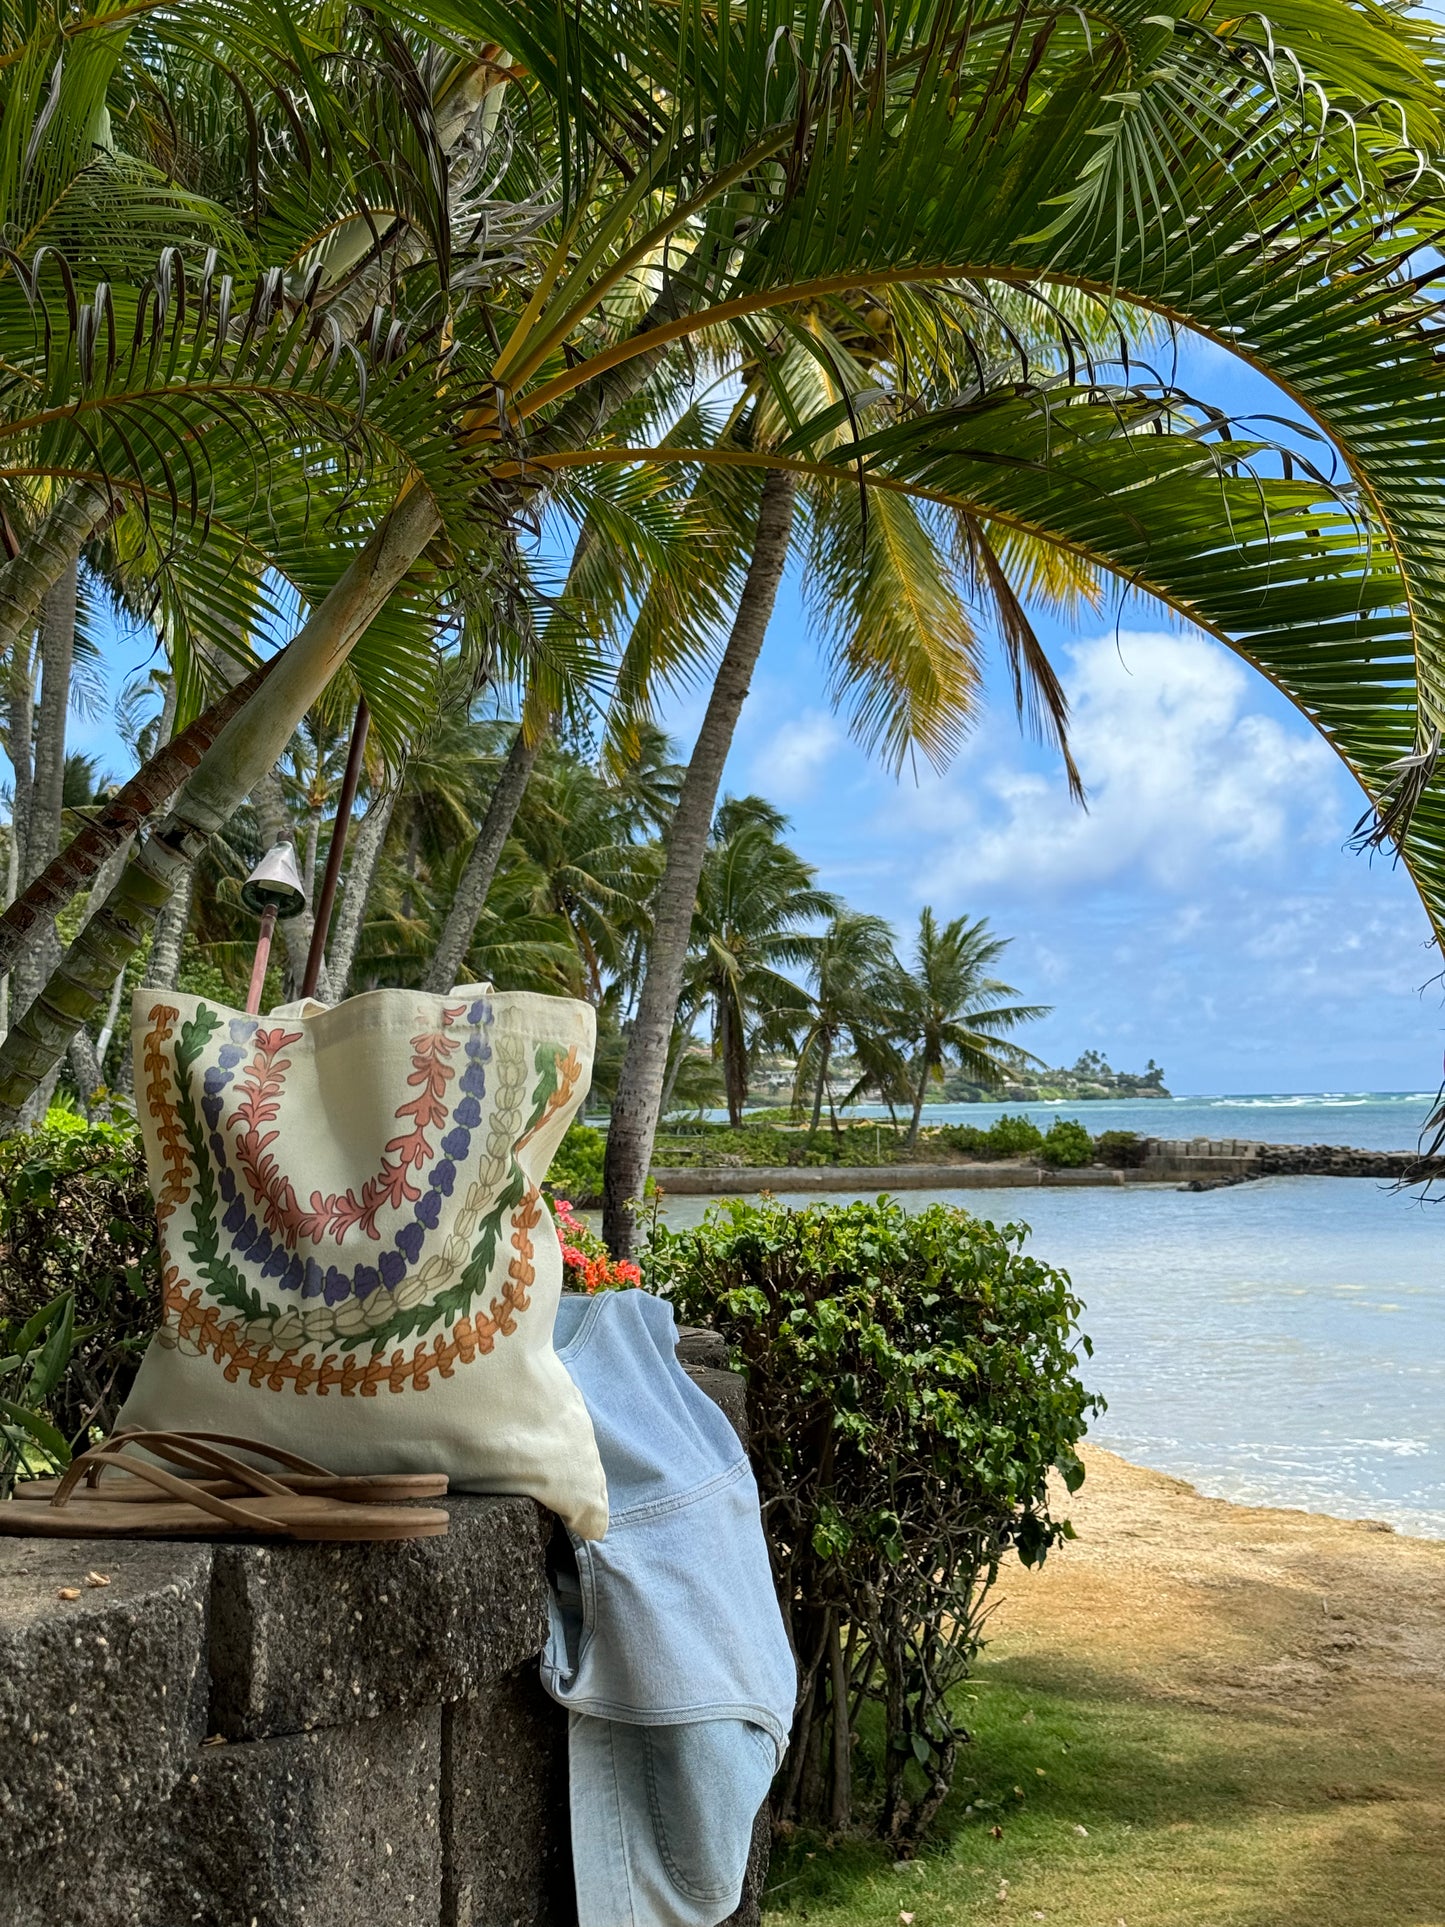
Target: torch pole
x=263, y=957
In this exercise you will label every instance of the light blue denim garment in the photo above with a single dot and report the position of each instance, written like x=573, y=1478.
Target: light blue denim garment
x=667, y=1646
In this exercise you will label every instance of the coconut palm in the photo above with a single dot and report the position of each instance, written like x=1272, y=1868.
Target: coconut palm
x=900, y=638
x=1015, y=146
x=576, y=841
x=950, y=1006
x=191, y=454
x=514, y=945
x=854, y=1008
x=756, y=900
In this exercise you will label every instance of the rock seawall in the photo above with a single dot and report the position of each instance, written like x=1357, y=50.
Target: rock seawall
x=1203, y=1161
x=274, y=1735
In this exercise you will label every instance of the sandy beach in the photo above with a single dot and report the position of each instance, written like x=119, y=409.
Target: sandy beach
x=1220, y=1605
x=1310, y=1649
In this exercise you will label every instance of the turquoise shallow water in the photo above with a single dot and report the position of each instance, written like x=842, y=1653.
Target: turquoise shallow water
x=1372, y=1120
x=1276, y=1343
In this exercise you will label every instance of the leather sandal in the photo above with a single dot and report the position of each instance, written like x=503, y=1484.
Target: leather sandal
x=184, y=1509
x=201, y=1459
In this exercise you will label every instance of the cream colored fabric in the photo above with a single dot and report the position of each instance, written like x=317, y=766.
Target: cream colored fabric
x=357, y=1262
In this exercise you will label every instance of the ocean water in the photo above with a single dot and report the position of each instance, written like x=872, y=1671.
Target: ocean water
x=1275, y=1343
x=1371, y=1120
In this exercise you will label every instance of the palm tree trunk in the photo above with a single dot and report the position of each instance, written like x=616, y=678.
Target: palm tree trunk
x=47, y=794
x=45, y=556
x=486, y=853
x=57, y=653
x=918, y=1099
x=481, y=864
x=366, y=848
x=308, y=859
x=107, y=1029
x=21, y=730
x=163, y=968
x=821, y=1086
x=274, y=821
x=88, y=1060
x=677, y=1051
x=245, y=749
x=734, y=1057
x=88, y=1079
x=147, y=791
x=635, y=1108
x=20, y=723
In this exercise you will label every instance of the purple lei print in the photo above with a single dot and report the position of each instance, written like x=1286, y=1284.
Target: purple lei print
x=293, y=1273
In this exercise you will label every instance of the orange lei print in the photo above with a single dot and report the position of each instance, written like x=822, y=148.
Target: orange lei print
x=262, y=1085
x=175, y=1155
x=204, y=1327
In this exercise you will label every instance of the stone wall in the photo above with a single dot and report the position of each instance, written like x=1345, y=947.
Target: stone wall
x=1239, y=1157
x=1166, y=1160
x=226, y=1735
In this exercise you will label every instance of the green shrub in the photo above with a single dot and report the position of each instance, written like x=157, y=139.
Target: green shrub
x=912, y=1383
x=1123, y=1150
x=751, y=1146
x=78, y=1283
x=1006, y=1137
x=1013, y=1137
x=1067, y=1145
x=576, y=1171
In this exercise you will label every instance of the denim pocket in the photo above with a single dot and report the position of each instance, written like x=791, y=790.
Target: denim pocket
x=705, y=1784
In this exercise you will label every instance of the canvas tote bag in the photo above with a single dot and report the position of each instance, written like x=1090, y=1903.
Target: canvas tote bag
x=356, y=1259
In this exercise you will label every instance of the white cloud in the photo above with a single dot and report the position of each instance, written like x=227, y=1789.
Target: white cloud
x=788, y=765
x=1184, y=780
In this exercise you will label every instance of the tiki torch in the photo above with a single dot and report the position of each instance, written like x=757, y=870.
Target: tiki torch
x=273, y=889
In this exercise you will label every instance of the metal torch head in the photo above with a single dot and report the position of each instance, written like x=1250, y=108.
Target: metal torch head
x=275, y=884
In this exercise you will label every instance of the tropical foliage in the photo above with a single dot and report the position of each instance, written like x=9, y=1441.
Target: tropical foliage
x=951, y=1007
x=78, y=1285
x=913, y=1389
x=354, y=323
x=753, y=924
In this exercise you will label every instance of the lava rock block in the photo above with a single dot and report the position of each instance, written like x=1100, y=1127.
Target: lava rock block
x=505, y=1820
x=315, y=1830
x=102, y=1697
x=727, y=1391
x=313, y=1636
x=750, y=1908
x=697, y=1345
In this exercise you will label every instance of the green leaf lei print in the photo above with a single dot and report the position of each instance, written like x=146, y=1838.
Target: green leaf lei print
x=225, y=1283
x=508, y=1126
x=379, y=1320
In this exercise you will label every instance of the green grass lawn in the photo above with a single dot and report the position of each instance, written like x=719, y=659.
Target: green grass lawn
x=1099, y=1807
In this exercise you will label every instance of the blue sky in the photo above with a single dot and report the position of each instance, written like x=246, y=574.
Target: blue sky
x=1203, y=912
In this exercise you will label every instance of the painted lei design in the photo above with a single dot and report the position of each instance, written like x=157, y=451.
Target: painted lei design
x=372, y=1305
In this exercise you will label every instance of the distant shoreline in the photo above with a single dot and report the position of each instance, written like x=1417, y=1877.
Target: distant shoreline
x=1200, y=1163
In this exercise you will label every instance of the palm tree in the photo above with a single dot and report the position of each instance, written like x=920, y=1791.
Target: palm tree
x=756, y=899
x=576, y=840
x=902, y=642
x=854, y=1007
x=950, y=1006
x=1016, y=146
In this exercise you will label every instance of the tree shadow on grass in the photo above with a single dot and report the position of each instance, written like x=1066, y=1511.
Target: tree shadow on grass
x=1247, y=1817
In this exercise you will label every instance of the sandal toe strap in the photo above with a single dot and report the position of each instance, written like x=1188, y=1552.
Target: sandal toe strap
x=229, y=1511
